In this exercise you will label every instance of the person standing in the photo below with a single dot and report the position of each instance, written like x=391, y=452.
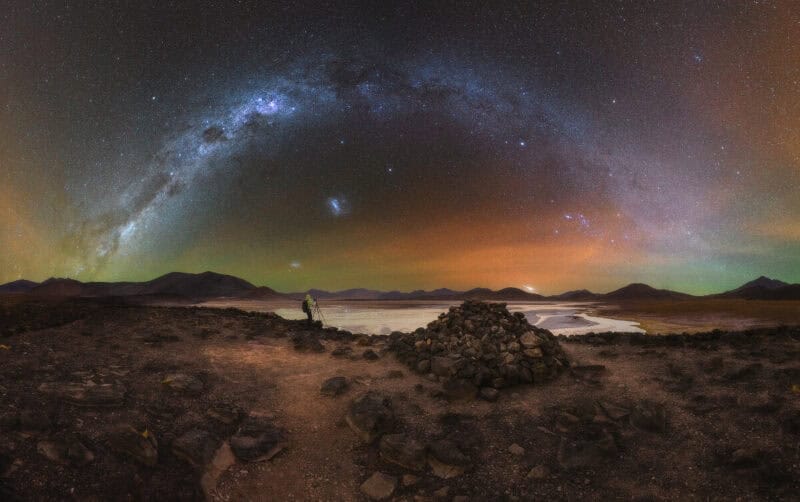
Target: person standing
x=308, y=307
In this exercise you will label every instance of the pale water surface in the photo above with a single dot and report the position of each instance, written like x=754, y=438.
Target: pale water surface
x=380, y=318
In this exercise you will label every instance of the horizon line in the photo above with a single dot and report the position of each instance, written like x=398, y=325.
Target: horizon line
x=521, y=289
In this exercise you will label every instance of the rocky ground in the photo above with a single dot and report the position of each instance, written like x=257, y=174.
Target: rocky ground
x=103, y=401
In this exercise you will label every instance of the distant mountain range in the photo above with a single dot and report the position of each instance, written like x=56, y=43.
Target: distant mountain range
x=764, y=288
x=208, y=285
x=172, y=285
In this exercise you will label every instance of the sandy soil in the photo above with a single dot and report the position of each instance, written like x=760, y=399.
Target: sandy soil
x=731, y=402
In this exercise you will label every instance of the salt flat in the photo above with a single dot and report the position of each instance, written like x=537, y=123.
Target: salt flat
x=383, y=317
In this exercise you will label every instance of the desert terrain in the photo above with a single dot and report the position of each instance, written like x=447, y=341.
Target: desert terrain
x=101, y=400
x=703, y=314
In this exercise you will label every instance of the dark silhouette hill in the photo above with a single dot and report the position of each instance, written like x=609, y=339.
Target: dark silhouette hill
x=578, y=295
x=763, y=282
x=265, y=293
x=206, y=284
x=59, y=287
x=638, y=291
x=174, y=284
x=20, y=286
x=764, y=288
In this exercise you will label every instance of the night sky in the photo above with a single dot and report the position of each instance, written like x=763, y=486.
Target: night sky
x=447, y=144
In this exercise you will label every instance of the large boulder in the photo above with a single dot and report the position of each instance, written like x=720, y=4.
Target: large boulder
x=370, y=416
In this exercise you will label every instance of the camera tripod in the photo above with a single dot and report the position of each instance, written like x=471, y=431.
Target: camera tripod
x=318, y=313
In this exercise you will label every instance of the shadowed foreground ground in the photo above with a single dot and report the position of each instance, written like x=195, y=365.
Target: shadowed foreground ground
x=130, y=402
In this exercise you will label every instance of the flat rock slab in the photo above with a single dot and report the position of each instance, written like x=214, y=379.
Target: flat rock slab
x=128, y=442
x=86, y=394
x=370, y=416
x=258, y=440
x=379, y=486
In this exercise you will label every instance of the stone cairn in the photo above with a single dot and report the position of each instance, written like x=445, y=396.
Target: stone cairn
x=483, y=345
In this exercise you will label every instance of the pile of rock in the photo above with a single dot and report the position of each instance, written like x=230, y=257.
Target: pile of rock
x=482, y=345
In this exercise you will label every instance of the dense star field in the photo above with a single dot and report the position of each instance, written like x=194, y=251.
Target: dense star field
x=445, y=144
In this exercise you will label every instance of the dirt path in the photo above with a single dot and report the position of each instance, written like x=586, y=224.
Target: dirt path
x=318, y=464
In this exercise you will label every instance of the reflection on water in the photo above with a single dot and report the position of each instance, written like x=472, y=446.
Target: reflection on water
x=381, y=318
